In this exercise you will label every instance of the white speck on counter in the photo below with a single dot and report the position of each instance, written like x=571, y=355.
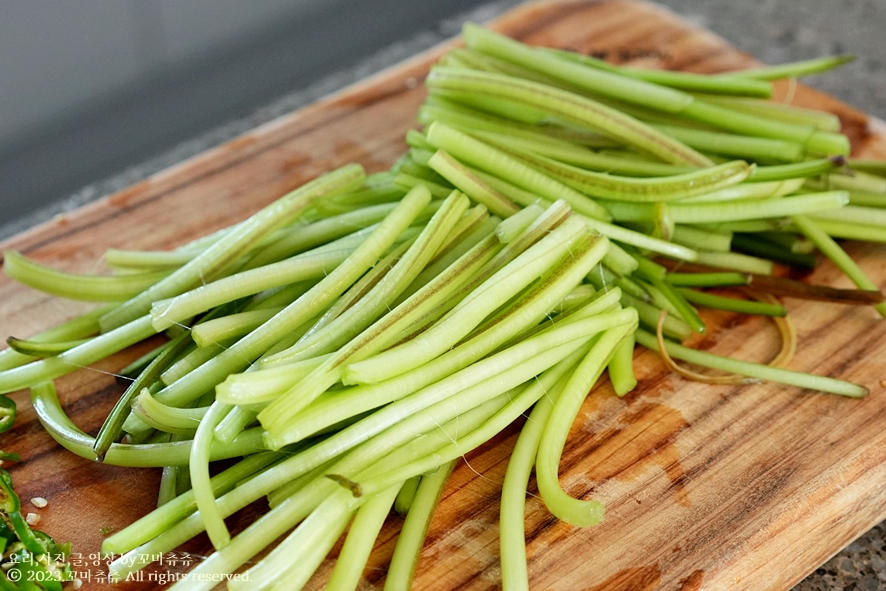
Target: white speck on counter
x=39, y=502
x=32, y=519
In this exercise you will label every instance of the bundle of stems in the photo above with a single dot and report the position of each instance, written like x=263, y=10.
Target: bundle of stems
x=350, y=341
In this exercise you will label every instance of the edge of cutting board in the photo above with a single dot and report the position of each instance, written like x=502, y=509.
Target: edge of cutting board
x=719, y=488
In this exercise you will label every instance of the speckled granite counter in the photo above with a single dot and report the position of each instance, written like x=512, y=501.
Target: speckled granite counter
x=776, y=31
x=772, y=30
x=861, y=566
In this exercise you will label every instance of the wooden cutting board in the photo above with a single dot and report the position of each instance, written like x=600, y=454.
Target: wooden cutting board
x=705, y=487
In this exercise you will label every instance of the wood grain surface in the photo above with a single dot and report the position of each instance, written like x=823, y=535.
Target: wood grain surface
x=705, y=487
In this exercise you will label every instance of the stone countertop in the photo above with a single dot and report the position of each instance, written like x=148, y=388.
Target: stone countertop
x=778, y=31
x=774, y=31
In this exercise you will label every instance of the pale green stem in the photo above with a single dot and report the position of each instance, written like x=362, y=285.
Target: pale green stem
x=93, y=350
x=361, y=537
x=213, y=519
x=264, y=385
x=415, y=528
x=732, y=211
x=838, y=256
x=256, y=343
x=735, y=261
x=77, y=328
x=234, y=423
x=512, y=535
x=533, y=306
x=621, y=367
x=89, y=288
x=472, y=152
x=755, y=370
x=230, y=327
x=169, y=419
x=308, y=266
x=459, y=175
x=175, y=453
x=470, y=311
x=206, y=265
x=574, y=511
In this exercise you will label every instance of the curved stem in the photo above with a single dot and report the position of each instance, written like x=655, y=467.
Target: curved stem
x=514, y=572
x=112, y=427
x=88, y=288
x=200, y=480
x=150, y=455
x=571, y=510
x=169, y=419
